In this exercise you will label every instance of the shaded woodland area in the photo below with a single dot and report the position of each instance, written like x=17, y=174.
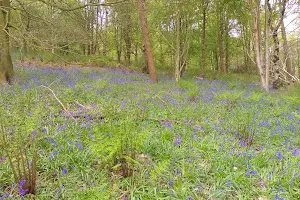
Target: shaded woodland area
x=204, y=36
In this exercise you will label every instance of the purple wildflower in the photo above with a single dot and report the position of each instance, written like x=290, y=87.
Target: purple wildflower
x=253, y=172
x=34, y=132
x=178, y=140
x=21, y=190
x=296, y=152
x=52, y=155
x=279, y=155
x=198, y=187
x=179, y=172
x=64, y=170
x=79, y=145
x=2, y=159
x=171, y=183
x=190, y=198
x=228, y=183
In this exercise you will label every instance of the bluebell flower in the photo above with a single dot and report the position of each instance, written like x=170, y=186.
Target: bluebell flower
x=228, y=183
x=278, y=198
x=64, y=170
x=34, y=132
x=171, y=183
x=198, y=187
x=179, y=172
x=51, y=155
x=296, y=152
x=178, y=140
x=2, y=159
x=21, y=190
x=44, y=130
x=279, y=155
x=79, y=145
x=253, y=172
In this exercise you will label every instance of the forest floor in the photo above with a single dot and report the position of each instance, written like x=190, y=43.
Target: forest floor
x=112, y=134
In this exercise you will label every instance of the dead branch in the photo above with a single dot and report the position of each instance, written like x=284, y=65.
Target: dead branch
x=62, y=105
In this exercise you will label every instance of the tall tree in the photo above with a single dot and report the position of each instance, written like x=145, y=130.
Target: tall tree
x=146, y=38
x=267, y=53
x=274, y=30
x=6, y=66
x=203, y=41
x=287, y=58
x=254, y=6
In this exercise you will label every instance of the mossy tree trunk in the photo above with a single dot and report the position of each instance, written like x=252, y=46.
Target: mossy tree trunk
x=6, y=67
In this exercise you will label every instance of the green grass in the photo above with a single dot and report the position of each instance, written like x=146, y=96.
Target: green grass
x=178, y=141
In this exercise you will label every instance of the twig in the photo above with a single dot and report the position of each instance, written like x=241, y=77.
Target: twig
x=166, y=105
x=62, y=105
x=294, y=77
x=80, y=105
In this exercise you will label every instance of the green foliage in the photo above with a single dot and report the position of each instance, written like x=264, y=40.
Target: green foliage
x=154, y=141
x=292, y=94
x=19, y=140
x=190, y=87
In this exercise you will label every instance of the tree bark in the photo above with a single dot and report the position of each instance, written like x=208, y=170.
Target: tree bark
x=6, y=66
x=145, y=32
x=227, y=61
x=255, y=12
x=287, y=58
x=221, y=42
x=267, y=54
x=205, y=5
x=276, y=83
x=178, y=46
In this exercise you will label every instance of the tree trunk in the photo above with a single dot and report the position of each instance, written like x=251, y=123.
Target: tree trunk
x=267, y=54
x=145, y=68
x=226, y=46
x=6, y=66
x=143, y=20
x=255, y=11
x=178, y=47
x=276, y=83
x=298, y=58
x=287, y=58
x=204, y=4
x=221, y=43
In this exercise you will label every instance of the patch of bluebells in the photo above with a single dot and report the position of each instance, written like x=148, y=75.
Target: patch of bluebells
x=207, y=95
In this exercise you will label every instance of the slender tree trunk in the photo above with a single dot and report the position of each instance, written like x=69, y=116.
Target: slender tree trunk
x=105, y=39
x=226, y=46
x=221, y=43
x=183, y=45
x=298, y=58
x=127, y=40
x=178, y=46
x=6, y=66
x=267, y=54
x=204, y=5
x=143, y=20
x=255, y=11
x=287, y=58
